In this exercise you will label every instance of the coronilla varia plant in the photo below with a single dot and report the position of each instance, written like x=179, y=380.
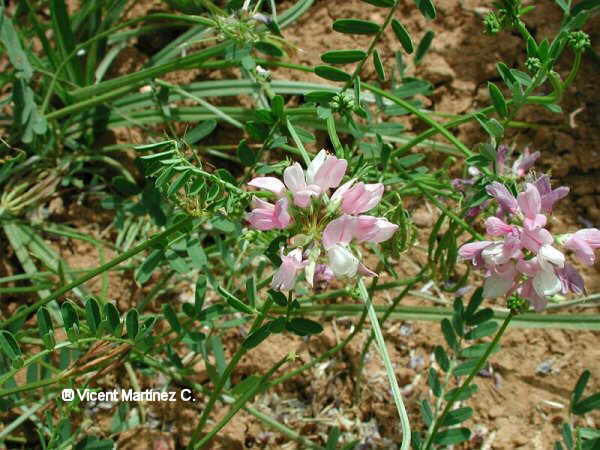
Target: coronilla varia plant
x=231, y=203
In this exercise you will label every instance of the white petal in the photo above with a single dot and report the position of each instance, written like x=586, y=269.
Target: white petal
x=493, y=255
x=496, y=286
x=548, y=254
x=293, y=177
x=546, y=283
x=342, y=262
x=314, y=166
x=269, y=184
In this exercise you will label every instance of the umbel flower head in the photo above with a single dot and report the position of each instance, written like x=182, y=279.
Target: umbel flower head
x=525, y=260
x=326, y=227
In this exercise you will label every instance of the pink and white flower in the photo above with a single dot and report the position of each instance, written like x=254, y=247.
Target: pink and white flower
x=525, y=260
x=266, y=216
x=324, y=172
x=285, y=277
x=361, y=198
x=340, y=232
x=583, y=243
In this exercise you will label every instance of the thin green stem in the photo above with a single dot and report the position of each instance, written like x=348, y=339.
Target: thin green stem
x=298, y=142
x=218, y=389
x=574, y=70
x=388, y=366
x=335, y=140
x=371, y=337
x=218, y=112
x=440, y=419
x=107, y=33
x=239, y=404
x=421, y=115
x=374, y=42
x=95, y=272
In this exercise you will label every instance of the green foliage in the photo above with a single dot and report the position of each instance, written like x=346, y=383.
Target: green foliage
x=355, y=26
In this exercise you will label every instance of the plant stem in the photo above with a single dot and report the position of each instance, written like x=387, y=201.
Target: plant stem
x=440, y=419
x=371, y=337
x=298, y=142
x=226, y=373
x=388, y=366
x=239, y=403
x=421, y=115
x=374, y=42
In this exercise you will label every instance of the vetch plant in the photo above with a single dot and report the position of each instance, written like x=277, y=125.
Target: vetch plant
x=525, y=261
x=315, y=222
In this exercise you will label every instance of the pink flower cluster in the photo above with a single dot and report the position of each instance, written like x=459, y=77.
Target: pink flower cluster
x=502, y=166
x=303, y=202
x=525, y=261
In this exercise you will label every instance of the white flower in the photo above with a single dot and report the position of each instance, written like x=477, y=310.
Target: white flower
x=342, y=262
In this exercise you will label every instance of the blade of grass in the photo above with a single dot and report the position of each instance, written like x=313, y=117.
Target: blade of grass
x=396, y=394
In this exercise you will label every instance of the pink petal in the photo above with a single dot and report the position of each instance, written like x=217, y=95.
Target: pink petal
x=330, y=174
x=281, y=213
x=339, y=192
x=543, y=185
x=528, y=292
x=572, y=280
x=302, y=197
x=525, y=162
x=361, y=198
x=293, y=177
x=589, y=235
x=530, y=201
x=528, y=267
x=364, y=270
x=339, y=231
x=501, y=154
x=473, y=249
x=583, y=251
x=261, y=204
x=266, y=216
x=532, y=240
x=549, y=199
x=536, y=222
x=285, y=277
x=374, y=229
x=271, y=184
x=496, y=227
x=502, y=196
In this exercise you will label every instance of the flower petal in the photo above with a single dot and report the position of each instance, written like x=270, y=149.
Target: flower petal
x=339, y=231
x=315, y=165
x=530, y=201
x=293, y=176
x=546, y=283
x=271, y=184
x=502, y=196
x=342, y=262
